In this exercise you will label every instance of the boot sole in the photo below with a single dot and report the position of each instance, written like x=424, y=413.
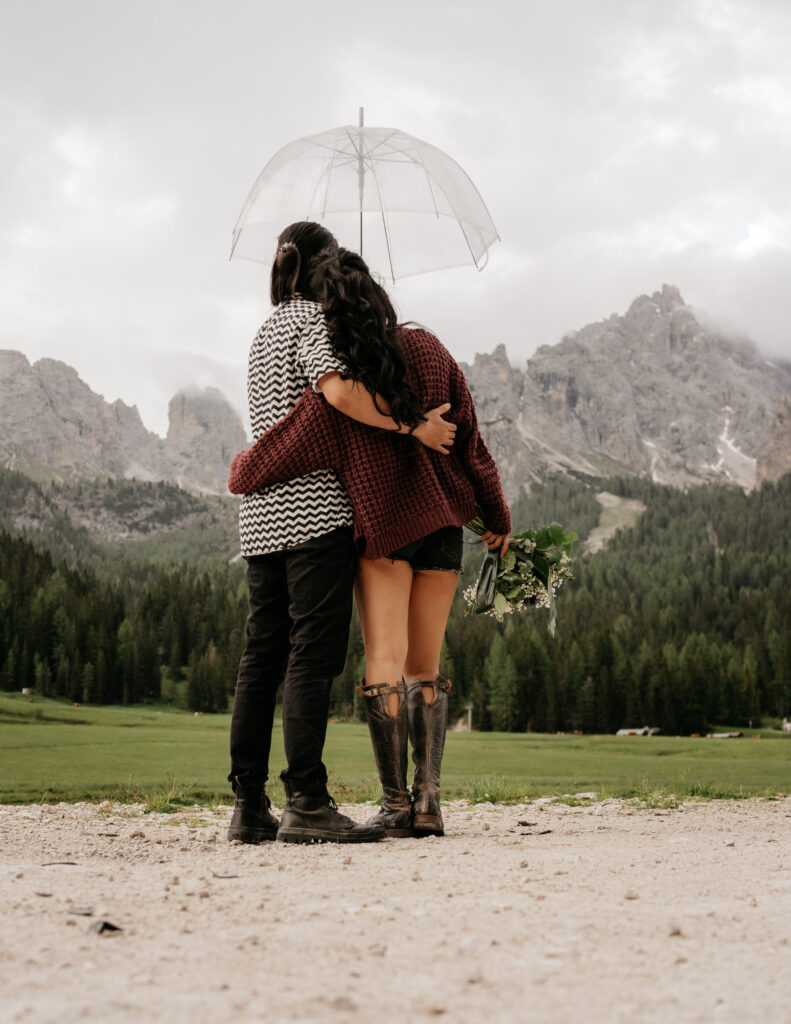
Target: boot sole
x=320, y=835
x=429, y=825
x=252, y=835
x=398, y=833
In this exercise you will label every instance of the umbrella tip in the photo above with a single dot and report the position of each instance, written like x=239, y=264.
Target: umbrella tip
x=361, y=117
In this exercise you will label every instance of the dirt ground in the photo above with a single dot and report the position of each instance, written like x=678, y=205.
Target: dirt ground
x=537, y=913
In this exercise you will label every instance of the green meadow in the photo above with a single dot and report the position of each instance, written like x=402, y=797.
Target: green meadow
x=51, y=751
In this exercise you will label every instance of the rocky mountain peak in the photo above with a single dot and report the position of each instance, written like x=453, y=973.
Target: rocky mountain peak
x=666, y=301
x=204, y=433
x=497, y=360
x=651, y=392
x=52, y=425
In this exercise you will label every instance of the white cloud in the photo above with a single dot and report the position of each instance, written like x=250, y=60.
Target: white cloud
x=618, y=146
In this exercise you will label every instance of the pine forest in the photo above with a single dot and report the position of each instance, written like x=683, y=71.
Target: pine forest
x=681, y=622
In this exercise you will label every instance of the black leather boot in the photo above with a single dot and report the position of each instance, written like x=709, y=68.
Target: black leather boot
x=427, y=726
x=252, y=821
x=389, y=739
x=315, y=818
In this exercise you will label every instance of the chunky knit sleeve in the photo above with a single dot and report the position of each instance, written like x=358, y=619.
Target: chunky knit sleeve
x=475, y=457
x=303, y=441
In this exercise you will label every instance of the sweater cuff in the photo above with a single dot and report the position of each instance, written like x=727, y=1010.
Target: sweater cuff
x=497, y=518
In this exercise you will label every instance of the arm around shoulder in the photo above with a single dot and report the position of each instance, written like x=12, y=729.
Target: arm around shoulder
x=300, y=443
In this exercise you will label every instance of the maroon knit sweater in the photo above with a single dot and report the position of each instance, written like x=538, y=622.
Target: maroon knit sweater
x=400, y=490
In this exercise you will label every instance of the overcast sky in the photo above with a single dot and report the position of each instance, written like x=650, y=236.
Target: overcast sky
x=619, y=144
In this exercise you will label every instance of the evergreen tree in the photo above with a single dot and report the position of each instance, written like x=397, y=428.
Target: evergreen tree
x=500, y=681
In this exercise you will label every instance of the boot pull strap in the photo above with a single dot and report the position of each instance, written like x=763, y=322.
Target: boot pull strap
x=381, y=689
x=440, y=683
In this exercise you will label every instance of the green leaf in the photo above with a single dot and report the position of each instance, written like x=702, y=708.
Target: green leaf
x=556, y=532
x=544, y=538
x=508, y=561
x=500, y=605
x=541, y=569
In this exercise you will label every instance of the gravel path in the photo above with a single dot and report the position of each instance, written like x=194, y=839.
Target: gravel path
x=538, y=913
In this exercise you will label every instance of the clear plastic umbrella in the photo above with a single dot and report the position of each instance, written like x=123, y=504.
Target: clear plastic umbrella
x=404, y=204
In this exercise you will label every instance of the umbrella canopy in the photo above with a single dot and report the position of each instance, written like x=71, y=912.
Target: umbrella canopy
x=404, y=204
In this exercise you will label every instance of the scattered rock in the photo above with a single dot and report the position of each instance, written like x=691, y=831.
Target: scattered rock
x=104, y=928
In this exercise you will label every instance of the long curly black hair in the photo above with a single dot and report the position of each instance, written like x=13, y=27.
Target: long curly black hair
x=361, y=320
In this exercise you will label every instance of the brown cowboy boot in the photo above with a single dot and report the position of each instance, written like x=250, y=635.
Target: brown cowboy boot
x=427, y=726
x=389, y=739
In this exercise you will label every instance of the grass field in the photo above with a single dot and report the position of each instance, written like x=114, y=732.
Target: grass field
x=51, y=751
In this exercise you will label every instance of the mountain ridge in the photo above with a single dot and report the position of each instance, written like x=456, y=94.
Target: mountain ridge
x=650, y=392
x=53, y=426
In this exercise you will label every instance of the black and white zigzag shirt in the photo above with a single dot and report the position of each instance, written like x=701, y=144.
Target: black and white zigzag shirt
x=291, y=351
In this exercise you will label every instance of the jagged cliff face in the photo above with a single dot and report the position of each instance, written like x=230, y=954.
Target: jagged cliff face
x=774, y=456
x=52, y=425
x=50, y=420
x=651, y=392
x=204, y=434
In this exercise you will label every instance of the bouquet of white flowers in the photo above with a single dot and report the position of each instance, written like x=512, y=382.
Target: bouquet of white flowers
x=527, y=576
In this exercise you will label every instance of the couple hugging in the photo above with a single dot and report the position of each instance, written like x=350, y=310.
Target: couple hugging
x=355, y=484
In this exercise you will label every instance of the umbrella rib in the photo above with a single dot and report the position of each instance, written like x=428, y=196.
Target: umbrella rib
x=394, y=154
x=431, y=189
x=362, y=152
x=384, y=225
x=455, y=214
x=389, y=253
x=327, y=189
x=381, y=142
x=458, y=218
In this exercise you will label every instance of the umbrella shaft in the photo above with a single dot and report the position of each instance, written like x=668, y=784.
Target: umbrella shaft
x=361, y=173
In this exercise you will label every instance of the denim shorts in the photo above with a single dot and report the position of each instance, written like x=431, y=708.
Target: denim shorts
x=439, y=551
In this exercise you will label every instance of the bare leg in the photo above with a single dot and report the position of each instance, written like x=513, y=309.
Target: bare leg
x=382, y=591
x=429, y=607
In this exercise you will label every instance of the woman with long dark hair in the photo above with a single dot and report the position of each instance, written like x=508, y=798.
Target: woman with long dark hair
x=298, y=541
x=409, y=504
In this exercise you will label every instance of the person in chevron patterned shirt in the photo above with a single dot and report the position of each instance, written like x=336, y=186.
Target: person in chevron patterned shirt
x=297, y=539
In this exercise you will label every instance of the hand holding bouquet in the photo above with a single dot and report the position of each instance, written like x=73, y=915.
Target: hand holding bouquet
x=527, y=576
